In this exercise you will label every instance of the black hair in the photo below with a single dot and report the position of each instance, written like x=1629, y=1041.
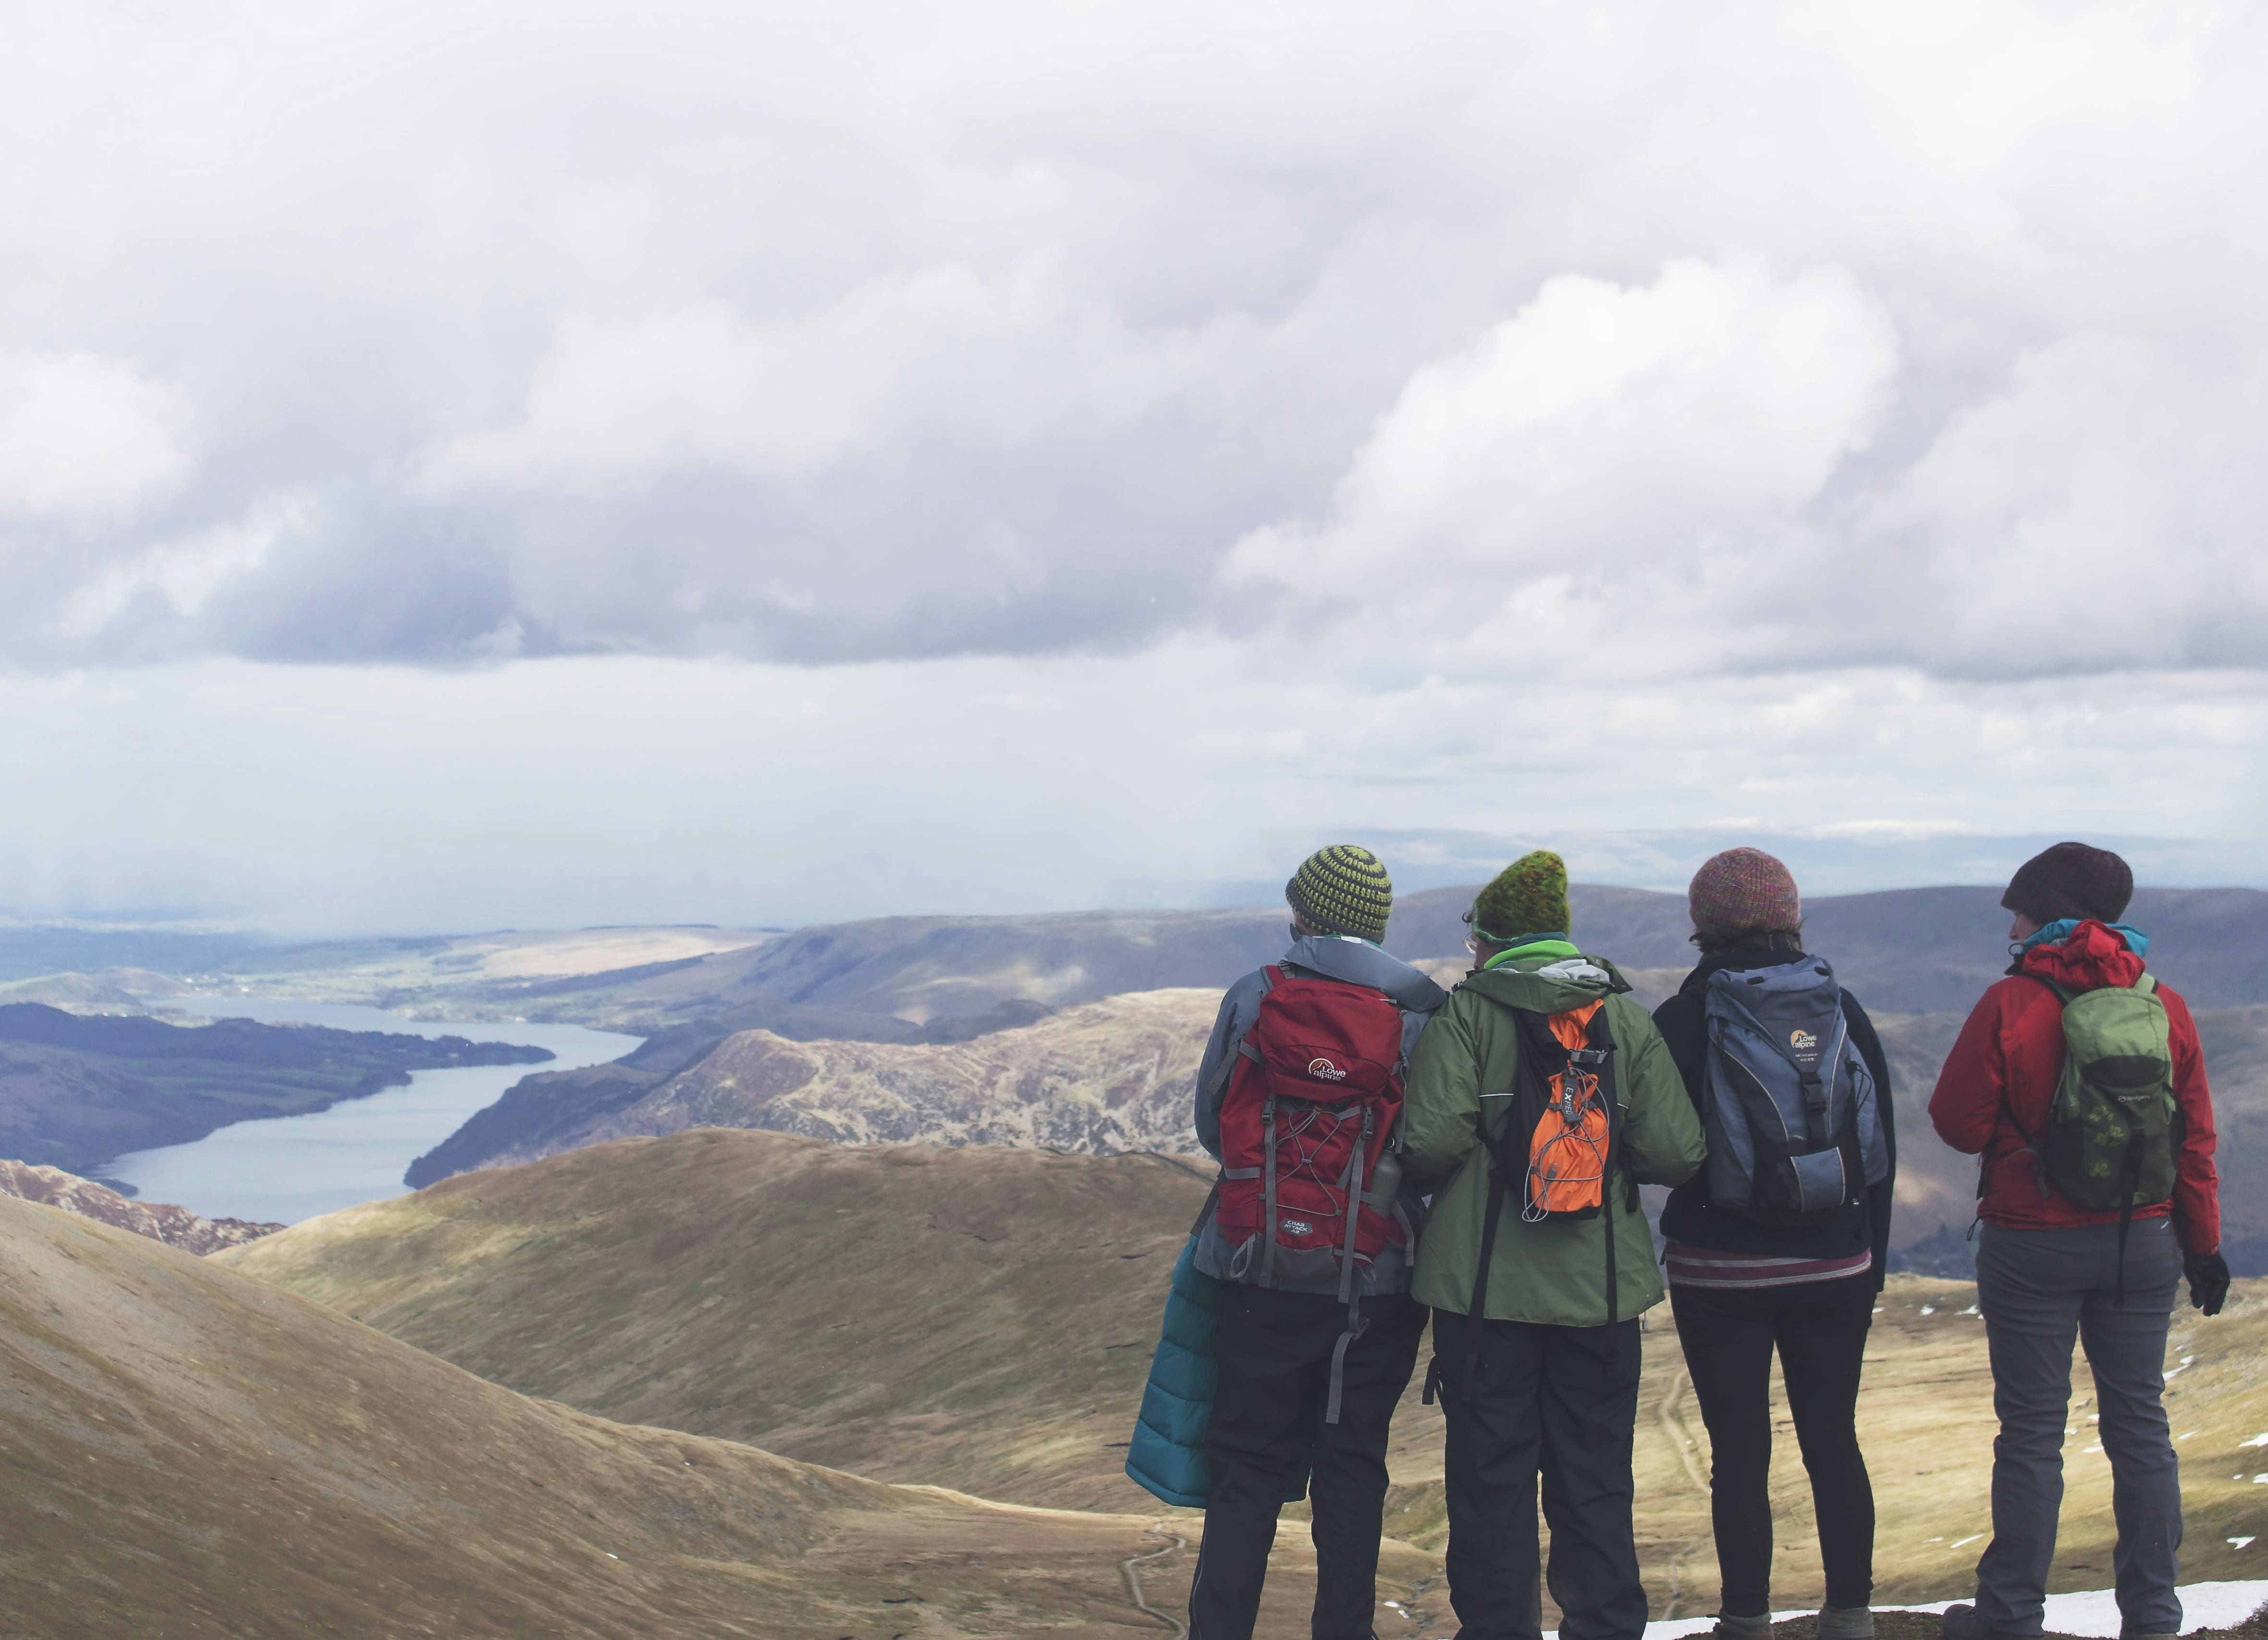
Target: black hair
x=1750, y=939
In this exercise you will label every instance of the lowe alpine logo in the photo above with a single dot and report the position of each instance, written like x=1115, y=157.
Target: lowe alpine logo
x=1803, y=1041
x=1324, y=1070
x=1295, y=1227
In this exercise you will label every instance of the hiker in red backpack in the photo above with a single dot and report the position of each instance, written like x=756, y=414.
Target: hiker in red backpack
x=1310, y=1232
x=2081, y=1082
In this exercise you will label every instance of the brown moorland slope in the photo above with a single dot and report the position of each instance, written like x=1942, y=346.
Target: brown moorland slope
x=983, y=1319
x=188, y=1454
x=974, y=1318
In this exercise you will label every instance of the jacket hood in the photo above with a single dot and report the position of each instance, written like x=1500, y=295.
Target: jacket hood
x=1547, y=984
x=2089, y=958
x=1359, y=962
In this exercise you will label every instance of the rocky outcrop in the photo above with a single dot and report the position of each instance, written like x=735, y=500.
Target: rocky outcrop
x=175, y=1226
x=1106, y=1078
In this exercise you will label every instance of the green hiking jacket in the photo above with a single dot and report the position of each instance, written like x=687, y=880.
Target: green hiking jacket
x=1553, y=1273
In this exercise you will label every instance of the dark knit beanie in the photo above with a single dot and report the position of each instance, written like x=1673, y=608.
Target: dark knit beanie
x=1529, y=896
x=1744, y=891
x=1343, y=889
x=2070, y=880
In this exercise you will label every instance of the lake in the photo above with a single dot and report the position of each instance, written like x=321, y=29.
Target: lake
x=288, y=1168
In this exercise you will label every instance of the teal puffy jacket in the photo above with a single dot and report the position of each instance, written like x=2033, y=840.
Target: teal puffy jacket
x=1167, y=1455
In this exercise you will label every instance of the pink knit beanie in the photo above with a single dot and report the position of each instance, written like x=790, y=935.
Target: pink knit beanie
x=1744, y=891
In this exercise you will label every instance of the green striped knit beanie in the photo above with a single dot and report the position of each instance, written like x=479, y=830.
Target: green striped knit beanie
x=1343, y=889
x=1528, y=897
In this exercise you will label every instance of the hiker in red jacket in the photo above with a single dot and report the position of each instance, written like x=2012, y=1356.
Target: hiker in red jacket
x=2049, y=1268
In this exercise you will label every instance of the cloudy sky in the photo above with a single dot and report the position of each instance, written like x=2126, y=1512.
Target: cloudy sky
x=480, y=463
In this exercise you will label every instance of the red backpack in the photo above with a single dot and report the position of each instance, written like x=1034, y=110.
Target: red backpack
x=1304, y=1123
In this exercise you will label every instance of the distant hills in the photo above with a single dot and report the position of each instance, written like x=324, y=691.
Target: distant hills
x=920, y=986
x=1104, y=1077
x=916, y=978
x=1904, y=949
x=76, y=1090
x=1918, y=959
x=195, y=1454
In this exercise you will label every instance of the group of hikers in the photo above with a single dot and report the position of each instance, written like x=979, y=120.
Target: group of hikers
x=1387, y=1149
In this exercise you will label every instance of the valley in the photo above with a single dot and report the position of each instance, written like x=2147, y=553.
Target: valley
x=893, y=1200
x=1005, y=1303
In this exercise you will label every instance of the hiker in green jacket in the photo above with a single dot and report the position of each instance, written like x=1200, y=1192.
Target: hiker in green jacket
x=1538, y=1101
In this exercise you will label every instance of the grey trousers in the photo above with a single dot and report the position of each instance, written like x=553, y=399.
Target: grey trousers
x=2037, y=1288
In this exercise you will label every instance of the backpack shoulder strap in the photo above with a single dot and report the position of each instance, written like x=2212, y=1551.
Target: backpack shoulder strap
x=2029, y=1145
x=2061, y=994
x=1270, y=977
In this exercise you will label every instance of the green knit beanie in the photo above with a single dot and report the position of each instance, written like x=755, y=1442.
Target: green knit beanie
x=1343, y=889
x=1529, y=896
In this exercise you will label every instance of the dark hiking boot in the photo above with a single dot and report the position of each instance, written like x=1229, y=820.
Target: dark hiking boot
x=1847, y=1622
x=1961, y=1623
x=1731, y=1627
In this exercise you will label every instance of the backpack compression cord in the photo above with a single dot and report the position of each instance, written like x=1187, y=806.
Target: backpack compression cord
x=1311, y=1106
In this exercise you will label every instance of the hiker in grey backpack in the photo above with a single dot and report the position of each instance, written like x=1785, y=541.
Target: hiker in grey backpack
x=1780, y=1240
x=2081, y=1081
x=1313, y=1340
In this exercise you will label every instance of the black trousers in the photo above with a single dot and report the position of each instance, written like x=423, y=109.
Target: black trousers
x=1819, y=1328
x=1274, y=1351
x=1561, y=1403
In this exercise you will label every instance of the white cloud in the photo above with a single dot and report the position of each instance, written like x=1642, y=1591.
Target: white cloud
x=2101, y=511
x=85, y=438
x=1879, y=379
x=699, y=385
x=1605, y=451
x=184, y=574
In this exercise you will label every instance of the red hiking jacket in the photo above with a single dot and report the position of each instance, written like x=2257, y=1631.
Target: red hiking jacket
x=2009, y=1057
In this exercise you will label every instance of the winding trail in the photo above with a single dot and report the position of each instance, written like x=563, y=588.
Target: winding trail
x=1681, y=1439
x=1682, y=1442
x=1130, y=1568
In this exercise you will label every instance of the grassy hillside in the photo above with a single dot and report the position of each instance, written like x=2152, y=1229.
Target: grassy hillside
x=188, y=1454
x=983, y=1319
x=979, y=1318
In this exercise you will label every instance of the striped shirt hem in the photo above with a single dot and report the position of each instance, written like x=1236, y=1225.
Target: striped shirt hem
x=1689, y=1266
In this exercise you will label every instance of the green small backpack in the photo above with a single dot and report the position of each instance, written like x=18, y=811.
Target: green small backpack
x=2111, y=1133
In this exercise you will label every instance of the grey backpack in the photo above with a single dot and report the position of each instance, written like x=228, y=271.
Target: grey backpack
x=1787, y=1106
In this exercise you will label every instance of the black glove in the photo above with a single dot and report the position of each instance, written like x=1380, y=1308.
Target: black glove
x=2208, y=1274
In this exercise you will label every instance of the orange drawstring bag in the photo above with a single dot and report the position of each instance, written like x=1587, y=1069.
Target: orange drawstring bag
x=1567, y=1154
